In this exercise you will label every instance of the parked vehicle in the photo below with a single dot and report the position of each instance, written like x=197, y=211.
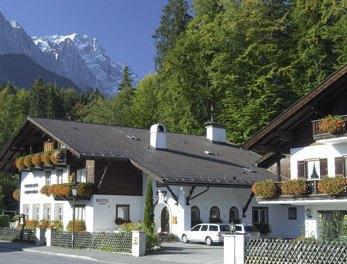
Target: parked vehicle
x=248, y=230
x=207, y=233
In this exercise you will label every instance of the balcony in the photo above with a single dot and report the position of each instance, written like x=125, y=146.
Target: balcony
x=300, y=191
x=330, y=130
x=63, y=191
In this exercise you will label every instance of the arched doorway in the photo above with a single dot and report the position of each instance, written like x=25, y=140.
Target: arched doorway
x=165, y=221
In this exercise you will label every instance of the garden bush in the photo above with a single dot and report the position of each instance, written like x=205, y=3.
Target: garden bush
x=332, y=186
x=4, y=220
x=265, y=189
x=152, y=241
x=57, y=225
x=44, y=224
x=80, y=226
x=294, y=188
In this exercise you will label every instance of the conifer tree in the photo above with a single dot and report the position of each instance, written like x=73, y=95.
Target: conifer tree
x=149, y=209
x=174, y=21
x=126, y=80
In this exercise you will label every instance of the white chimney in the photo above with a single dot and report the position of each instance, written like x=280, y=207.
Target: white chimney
x=216, y=133
x=158, y=136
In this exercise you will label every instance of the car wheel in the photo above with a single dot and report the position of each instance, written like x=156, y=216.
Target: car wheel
x=184, y=239
x=208, y=241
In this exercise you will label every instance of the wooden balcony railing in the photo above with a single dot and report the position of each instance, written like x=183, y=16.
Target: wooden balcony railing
x=319, y=132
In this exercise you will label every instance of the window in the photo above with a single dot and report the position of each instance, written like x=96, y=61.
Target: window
x=26, y=210
x=123, y=212
x=81, y=175
x=214, y=215
x=234, y=215
x=47, y=212
x=59, y=212
x=312, y=169
x=292, y=213
x=204, y=228
x=238, y=228
x=195, y=215
x=213, y=228
x=80, y=212
x=36, y=212
x=59, y=176
x=340, y=166
x=196, y=228
x=48, y=175
x=260, y=215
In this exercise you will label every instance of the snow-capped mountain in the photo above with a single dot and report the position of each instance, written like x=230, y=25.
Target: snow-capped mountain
x=83, y=56
x=80, y=58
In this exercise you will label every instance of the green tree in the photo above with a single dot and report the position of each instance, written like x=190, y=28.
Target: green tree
x=149, y=209
x=127, y=81
x=174, y=20
x=144, y=107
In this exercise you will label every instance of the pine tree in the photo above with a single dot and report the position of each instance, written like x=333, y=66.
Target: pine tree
x=127, y=81
x=174, y=21
x=149, y=209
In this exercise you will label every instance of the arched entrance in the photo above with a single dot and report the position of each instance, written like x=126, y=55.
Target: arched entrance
x=165, y=221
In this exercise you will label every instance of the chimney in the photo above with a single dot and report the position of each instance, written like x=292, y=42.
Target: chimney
x=158, y=136
x=215, y=132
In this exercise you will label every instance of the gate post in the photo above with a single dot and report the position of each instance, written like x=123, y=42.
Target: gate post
x=138, y=244
x=48, y=235
x=234, y=249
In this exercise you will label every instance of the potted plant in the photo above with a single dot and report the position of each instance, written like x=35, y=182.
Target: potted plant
x=332, y=124
x=20, y=163
x=47, y=190
x=56, y=156
x=36, y=159
x=265, y=189
x=85, y=189
x=294, y=188
x=27, y=161
x=333, y=186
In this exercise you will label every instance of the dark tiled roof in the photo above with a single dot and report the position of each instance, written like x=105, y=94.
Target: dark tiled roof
x=183, y=162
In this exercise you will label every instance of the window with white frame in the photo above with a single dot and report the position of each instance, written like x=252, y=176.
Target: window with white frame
x=59, y=174
x=48, y=176
x=36, y=212
x=81, y=175
x=59, y=212
x=260, y=215
x=80, y=212
x=26, y=210
x=47, y=212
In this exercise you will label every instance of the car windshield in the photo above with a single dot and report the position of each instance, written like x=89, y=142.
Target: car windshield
x=251, y=229
x=224, y=228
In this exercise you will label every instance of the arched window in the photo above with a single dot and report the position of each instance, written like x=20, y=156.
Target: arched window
x=195, y=216
x=215, y=215
x=234, y=215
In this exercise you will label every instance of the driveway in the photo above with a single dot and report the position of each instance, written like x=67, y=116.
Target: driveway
x=177, y=252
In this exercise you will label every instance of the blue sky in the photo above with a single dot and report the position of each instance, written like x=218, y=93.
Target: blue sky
x=124, y=27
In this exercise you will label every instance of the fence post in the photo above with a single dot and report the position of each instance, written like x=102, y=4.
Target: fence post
x=138, y=244
x=48, y=235
x=234, y=249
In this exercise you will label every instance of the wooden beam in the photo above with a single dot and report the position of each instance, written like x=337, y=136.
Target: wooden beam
x=244, y=209
x=173, y=194
x=190, y=195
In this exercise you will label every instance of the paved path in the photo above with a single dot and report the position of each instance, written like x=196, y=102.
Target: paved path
x=172, y=253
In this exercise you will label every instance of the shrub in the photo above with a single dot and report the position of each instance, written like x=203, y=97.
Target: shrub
x=20, y=163
x=132, y=227
x=332, y=124
x=294, y=188
x=332, y=186
x=152, y=241
x=4, y=220
x=46, y=158
x=16, y=194
x=44, y=224
x=56, y=156
x=265, y=189
x=36, y=159
x=31, y=224
x=85, y=189
x=80, y=226
x=27, y=161
x=61, y=190
x=57, y=225
x=121, y=221
x=47, y=190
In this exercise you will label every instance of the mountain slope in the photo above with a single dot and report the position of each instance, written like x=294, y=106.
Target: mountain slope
x=106, y=72
x=22, y=71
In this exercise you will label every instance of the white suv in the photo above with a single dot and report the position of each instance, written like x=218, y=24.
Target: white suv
x=208, y=233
